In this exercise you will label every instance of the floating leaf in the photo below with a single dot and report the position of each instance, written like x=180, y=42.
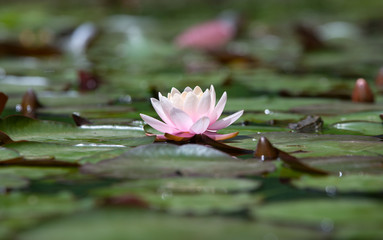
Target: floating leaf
x=342, y=218
x=121, y=224
x=23, y=128
x=347, y=164
x=182, y=195
x=22, y=211
x=11, y=181
x=165, y=160
x=347, y=183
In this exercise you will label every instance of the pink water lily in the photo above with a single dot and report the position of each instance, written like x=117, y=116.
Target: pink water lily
x=189, y=113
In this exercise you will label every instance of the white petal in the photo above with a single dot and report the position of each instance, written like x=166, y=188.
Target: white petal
x=201, y=125
x=204, y=104
x=158, y=108
x=177, y=101
x=159, y=95
x=212, y=100
x=166, y=106
x=181, y=120
x=226, y=121
x=188, y=89
x=216, y=113
x=197, y=90
x=190, y=105
x=174, y=91
x=156, y=124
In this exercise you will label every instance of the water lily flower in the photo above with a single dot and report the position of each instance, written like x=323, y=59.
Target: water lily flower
x=189, y=113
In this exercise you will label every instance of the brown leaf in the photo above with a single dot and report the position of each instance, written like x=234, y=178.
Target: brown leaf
x=362, y=92
x=128, y=200
x=3, y=101
x=4, y=138
x=13, y=48
x=235, y=59
x=88, y=81
x=379, y=78
x=309, y=38
x=40, y=162
x=79, y=121
x=266, y=151
x=30, y=104
x=205, y=140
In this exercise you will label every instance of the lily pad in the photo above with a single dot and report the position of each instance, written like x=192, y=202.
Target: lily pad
x=165, y=160
x=181, y=195
x=122, y=224
x=347, y=164
x=60, y=152
x=23, y=128
x=6, y=153
x=363, y=128
x=11, y=181
x=20, y=211
x=345, y=219
x=313, y=145
x=35, y=172
x=347, y=183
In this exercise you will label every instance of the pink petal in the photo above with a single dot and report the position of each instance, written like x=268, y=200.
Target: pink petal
x=226, y=121
x=208, y=36
x=219, y=137
x=190, y=105
x=158, y=108
x=200, y=126
x=218, y=109
x=203, y=107
x=180, y=119
x=212, y=100
x=156, y=124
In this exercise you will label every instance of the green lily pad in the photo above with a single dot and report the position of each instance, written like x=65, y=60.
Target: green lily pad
x=20, y=211
x=123, y=224
x=347, y=164
x=6, y=153
x=188, y=185
x=363, y=128
x=23, y=128
x=346, y=219
x=347, y=183
x=315, y=145
x=198, y=195
x=35, y=172
x=165, y=160
x=60, y=152
x=12, y=181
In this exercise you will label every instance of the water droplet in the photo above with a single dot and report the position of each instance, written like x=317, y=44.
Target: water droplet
x=267, y=112
x=18, y=108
